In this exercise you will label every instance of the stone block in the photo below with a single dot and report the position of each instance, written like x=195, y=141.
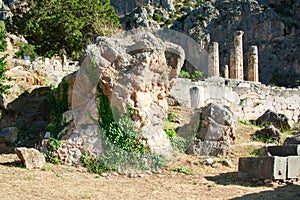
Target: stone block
x=271, y=167
x=285, y=150
x=293, y=167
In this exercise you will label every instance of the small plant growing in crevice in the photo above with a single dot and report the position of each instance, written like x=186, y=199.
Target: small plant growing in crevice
x=172, y=117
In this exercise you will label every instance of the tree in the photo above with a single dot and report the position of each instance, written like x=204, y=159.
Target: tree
x=63, y=26
x=3, y=69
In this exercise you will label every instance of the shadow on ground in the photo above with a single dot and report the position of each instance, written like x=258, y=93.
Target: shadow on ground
x=289, y=191
x=231, y=178
x=285, y=192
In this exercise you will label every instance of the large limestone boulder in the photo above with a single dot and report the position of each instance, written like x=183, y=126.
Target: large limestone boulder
x=138, y=72
x=31, y=158
x=217, y=131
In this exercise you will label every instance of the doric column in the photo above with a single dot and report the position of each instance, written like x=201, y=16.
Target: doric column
x=213, y=62
x=253, y=64
x=226, y=71
x=236, y=57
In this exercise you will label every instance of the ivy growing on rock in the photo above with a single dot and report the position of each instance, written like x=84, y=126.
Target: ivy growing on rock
x=123, y=146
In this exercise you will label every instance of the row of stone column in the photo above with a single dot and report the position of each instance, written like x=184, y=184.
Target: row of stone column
x=236, y=68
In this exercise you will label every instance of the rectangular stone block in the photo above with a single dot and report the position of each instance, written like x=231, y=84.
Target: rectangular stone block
x=293, y=167
x=270, y=167
x=286, y=150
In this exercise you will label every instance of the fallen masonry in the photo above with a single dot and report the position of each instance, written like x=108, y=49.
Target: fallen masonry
x=283, y=164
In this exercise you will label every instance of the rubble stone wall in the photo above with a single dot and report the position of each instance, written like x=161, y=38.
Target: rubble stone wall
x=248, y=100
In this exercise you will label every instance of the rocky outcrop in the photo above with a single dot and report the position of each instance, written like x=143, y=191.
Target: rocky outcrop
x=270, y=25
x=124, y=7
x=31, y=158
x=137, y=73
x=279, y=121
x=217, y=132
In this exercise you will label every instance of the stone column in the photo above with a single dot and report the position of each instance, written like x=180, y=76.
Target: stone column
x=236, y=57
x=213, y=62
x=253, y=64
x=232, y=73
x=226, y=71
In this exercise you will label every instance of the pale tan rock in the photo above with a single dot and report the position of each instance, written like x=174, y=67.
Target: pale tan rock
x=31, y=158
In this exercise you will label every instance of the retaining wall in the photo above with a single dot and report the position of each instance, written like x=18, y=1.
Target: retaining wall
x=248, y=100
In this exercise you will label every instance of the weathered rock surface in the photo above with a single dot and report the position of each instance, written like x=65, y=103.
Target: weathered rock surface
x=217, y=132
x=31, y=158
x=271, y=25
x=279, y=121
x=124, y=7
x=295, y=139
x=137, y=72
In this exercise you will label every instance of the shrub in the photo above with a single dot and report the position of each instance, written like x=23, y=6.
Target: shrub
x=196, y=76
x=184, y=74
x=51, y=153
x=123, y=146
x=171, y=117
x=26, y=50
x=171, y=133
x=157, y=17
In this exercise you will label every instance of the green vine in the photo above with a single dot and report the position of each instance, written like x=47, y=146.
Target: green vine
x=123, y=146
x=51, y=153
x=58, y=99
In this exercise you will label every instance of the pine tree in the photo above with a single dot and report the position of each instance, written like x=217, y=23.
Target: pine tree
x=63, y=26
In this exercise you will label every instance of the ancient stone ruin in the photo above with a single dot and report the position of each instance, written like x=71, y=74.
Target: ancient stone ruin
x=136, y=72
x=236, y=65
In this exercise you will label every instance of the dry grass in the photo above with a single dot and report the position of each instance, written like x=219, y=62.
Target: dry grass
x=63, y=182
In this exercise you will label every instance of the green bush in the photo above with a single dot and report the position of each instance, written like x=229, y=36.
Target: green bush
x=171, y=117
x=184, y=74
x=51, y=153
x=196, y=76
x=171, y=133
x=179, y=144
x=25, y=50
x=123, y=146
x=157, y=17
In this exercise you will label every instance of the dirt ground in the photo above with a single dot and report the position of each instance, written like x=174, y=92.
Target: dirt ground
x=63, y=182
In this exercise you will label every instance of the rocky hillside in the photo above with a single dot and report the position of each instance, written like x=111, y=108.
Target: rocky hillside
x=271, y=25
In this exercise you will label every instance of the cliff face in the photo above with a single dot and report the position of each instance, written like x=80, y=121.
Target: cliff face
x=272, y=27
x=124, y=7
x=270, y=24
